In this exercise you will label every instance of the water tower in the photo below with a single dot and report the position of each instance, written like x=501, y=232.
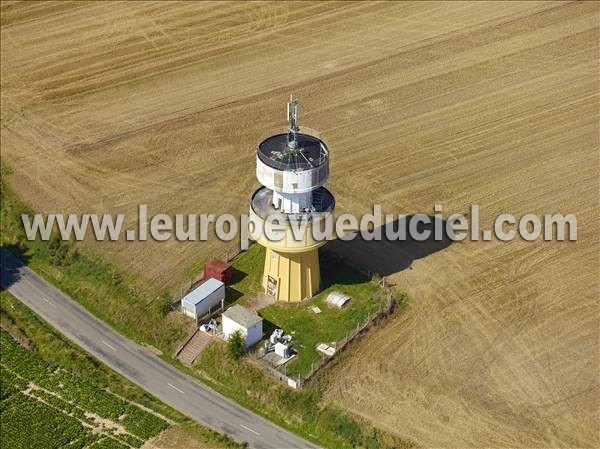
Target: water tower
x=292, y=167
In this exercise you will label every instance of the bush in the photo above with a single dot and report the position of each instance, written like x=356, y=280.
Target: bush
x=60, y=253
x=401, y=298
x=164, y=305
x=236, y=345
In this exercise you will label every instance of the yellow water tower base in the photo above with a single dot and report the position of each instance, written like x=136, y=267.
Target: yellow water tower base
x=291, y=277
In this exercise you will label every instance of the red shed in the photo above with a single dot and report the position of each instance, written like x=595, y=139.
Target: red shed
x=217, y=269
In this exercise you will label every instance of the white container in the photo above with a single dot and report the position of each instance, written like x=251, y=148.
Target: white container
x=282, y=350
x=206, y=297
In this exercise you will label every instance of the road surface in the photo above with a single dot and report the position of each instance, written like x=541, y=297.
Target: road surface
x=174, y=388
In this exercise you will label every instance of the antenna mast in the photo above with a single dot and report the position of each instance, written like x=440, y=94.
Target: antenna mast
x=293, y=106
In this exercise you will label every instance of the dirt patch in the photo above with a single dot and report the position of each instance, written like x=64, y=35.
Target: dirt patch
x=176, y=438
x=259, y=301
x=16, y=333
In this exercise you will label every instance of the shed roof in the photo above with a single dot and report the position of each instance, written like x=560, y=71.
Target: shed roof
x=218, y=265
x=242, y=316
x=202, y=291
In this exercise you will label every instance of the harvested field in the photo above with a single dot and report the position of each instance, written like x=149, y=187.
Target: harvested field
x=109, y=105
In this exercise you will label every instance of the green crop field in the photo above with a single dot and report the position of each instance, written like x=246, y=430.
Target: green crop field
x=47, y=407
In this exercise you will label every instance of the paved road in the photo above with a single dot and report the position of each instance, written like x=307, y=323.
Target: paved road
x=181, y=392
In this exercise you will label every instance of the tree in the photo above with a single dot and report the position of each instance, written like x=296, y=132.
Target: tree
x=236, y=345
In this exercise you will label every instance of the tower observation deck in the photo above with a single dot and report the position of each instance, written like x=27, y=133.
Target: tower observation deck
x=292, y=167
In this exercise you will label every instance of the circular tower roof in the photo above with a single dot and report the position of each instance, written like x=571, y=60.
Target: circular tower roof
x=310, y=152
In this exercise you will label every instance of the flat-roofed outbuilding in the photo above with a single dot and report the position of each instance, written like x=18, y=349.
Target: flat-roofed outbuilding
x=238, y=318
x=205, y=298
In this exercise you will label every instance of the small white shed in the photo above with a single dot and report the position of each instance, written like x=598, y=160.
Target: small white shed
x=238, y=318
x=204, y=298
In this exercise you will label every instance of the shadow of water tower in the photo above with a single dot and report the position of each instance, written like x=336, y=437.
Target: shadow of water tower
x=388, y=256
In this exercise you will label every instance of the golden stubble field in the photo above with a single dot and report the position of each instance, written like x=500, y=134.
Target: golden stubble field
x=108, y=105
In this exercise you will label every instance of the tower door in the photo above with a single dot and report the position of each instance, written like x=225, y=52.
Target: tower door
x=271, y=286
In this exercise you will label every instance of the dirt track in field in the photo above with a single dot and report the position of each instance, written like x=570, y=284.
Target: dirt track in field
x=105, y=106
